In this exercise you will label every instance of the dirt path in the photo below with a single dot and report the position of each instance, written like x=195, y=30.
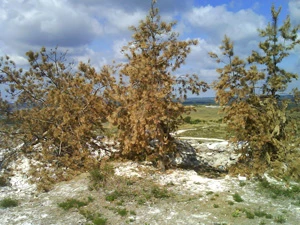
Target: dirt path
x=195, y=138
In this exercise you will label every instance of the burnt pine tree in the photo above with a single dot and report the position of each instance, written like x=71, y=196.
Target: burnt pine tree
x=57, y=110
x=249, y=92
x=148, y=108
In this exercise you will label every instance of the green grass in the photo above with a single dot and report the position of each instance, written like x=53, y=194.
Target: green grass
x=236, y=213
x=275, y=191
x=280, y=219
x=216, y=206
x=204, y=113
x=99, y=176
x=112, y=196
x=122, y=211
x=206, y=121
x=72, y=203
x=249, y=215
x=99, y=221
x=237, y=197
x=259, y=213
x=8, y=203
x=230, y=202
x=94, y=218
x=160, y=192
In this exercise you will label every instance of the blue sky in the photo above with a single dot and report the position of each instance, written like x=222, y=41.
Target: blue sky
x=97, y=29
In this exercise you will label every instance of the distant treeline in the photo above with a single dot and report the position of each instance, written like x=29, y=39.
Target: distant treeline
x=211, y=100
x=200, y=101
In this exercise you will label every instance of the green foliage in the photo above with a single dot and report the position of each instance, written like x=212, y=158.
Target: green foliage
x=236, y=213
x=187, y=119
x=95, y=218
x=251, y=90
x=269, y=216
x=72, y=203
x=99, y=220
x=249, y=215
x=280, y=219
x=216, y=206
x=8, y=203
x=99, y=175
x=242, y=183
x=112, y=196
x=149, y=107
x=237, y=197
x=122, y=211
x=275, y=190
x=230, y=202
x=158, y=192
x=259, y=213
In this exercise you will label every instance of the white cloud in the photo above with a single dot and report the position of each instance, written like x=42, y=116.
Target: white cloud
x=294, y=8
x=117, y=49
x=199, y=57
x=119, y=20
x=46, y=22
x=218, y=21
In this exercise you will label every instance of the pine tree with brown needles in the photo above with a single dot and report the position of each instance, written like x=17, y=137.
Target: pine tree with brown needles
x=149, y=108
x=59, y=110
x=249, y=92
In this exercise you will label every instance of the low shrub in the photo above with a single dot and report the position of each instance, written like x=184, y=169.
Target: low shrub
x=237, y=198
x=72, y=203
x=8, y=203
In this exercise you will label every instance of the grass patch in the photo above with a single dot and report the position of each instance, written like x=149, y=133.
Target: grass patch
x=269, y=216
x=249, y=215
x=72, y=203
x=8, y=203
x=159, y=192
x=237, y=197
x=112, y=196
x=280, y=219
x=259, y=213
x=242, y=183
x=122, y=211
x=210, y=130
x=230, y=202
x=99, y=176
x=216, y=206
x=99, y=220
x=236, y=213
x=93, y=218
x=276, y=191
x=297, y=202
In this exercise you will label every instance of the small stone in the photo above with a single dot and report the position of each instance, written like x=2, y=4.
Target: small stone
x=242, y=178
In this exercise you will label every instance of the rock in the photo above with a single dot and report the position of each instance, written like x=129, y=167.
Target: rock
x=242, y=178
x=185, y=156
x=214, y=156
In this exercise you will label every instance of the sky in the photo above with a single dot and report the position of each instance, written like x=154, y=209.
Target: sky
x=96, y=30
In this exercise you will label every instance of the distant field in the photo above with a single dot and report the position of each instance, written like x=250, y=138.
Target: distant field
x=206, y=113
x=206, y=122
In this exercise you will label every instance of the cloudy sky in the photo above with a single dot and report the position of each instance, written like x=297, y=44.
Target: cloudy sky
x=97, y=29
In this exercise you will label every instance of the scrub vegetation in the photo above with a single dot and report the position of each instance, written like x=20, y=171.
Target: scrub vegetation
x=62, y=113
